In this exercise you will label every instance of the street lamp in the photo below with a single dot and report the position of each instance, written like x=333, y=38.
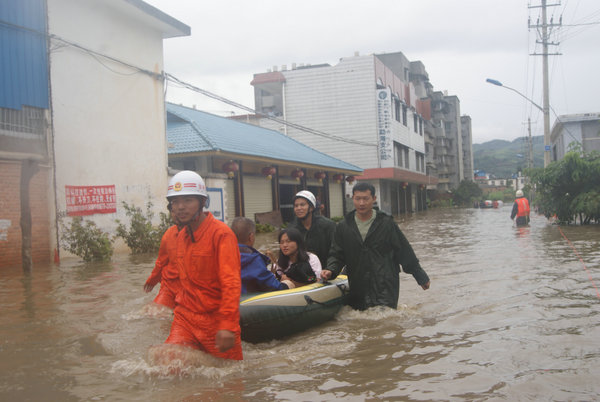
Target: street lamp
x=546, y=120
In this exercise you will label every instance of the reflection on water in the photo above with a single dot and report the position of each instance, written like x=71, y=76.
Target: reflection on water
x=512, y=314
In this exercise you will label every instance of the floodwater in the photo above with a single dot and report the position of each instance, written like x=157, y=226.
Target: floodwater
x=512, y=314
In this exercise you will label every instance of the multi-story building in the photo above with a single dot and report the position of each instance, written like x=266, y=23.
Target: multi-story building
x=582, y=129
x=423, y=89
x=365, y=110
x=467, y=147
x=82, y=117
x=452, y=143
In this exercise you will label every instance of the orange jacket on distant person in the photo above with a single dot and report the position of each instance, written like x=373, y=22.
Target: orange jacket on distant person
x=523, y=205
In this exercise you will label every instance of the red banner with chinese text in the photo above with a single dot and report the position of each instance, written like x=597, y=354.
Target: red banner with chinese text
x=88, y=200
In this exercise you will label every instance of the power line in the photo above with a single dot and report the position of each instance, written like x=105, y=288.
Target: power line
x=172, y=78
x=183, y=84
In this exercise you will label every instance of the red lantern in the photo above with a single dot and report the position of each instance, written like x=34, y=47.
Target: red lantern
x=338, y=178
x=404, y=185
x=297, y=174
x=422, y=186
x=268, y=172
x=230, y=168
x=350, y=179
x=320, y=176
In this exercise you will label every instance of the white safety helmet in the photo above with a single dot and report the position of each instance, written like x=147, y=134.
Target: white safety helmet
x=519, y=193
x=186, y=182
x=308, y=196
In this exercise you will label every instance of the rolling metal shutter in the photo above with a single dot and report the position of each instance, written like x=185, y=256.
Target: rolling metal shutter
x=257, y=195
x=336, y=200
x=229, y=197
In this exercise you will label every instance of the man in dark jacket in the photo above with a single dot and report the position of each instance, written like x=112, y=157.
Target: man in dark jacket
x=371, y=246
x=317, y=230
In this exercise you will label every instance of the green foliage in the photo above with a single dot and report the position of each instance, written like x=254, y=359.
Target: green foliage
x=508, y=194
x=466, y=193
x=264, y=228
x=164, y=224
x=570, y=188
x=142, y=236
x=87, y=241
x=441, y=203
x=504, y=158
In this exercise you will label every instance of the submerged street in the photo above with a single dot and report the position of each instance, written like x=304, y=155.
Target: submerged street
x=512, y=314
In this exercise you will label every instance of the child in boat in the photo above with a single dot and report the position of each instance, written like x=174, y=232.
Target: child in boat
x=255, y=275
x=295, y=266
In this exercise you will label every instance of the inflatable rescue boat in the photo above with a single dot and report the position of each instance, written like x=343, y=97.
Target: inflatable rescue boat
x=274, y=315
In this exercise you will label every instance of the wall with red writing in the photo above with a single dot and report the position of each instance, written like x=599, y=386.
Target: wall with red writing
x=10, y=215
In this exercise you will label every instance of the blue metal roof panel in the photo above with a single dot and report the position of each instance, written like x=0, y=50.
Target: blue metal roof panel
x=23, y=55
x=190, y=130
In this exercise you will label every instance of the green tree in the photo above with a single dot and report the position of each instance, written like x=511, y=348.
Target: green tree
x=466, y=193
x=570, y=188
x=142, y=236
x=87, y=240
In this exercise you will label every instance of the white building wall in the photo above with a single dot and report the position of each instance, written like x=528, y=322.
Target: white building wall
x=109, y=126
x=337, y=100
x=571, y=133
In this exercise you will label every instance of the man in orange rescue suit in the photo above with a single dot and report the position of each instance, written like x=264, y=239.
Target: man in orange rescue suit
x=207, y=258
x=520, y=209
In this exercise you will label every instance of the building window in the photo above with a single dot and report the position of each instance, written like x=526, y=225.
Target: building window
x=415, y=123
x=421, y=126
x=28, y=120
x=420, y=161
x=404, y=115
x=398, y=154
x=401, y=156
x=397, y=109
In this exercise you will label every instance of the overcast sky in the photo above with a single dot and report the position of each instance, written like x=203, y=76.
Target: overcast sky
x=461, y=43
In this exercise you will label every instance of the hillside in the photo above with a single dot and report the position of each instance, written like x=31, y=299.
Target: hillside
x=502, y=158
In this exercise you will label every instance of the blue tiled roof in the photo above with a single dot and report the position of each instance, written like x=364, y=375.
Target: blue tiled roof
x=191, y=131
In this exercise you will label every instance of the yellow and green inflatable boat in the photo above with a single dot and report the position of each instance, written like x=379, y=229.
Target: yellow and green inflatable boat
x=274, y=315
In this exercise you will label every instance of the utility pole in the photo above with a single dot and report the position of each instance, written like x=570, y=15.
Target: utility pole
x=530, y=146
x=546, y=28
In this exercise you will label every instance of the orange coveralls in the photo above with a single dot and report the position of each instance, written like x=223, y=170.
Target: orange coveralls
x=209, y=300
x=165, y=271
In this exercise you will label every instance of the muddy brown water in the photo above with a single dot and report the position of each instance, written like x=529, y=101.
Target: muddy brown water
x=512, y=314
